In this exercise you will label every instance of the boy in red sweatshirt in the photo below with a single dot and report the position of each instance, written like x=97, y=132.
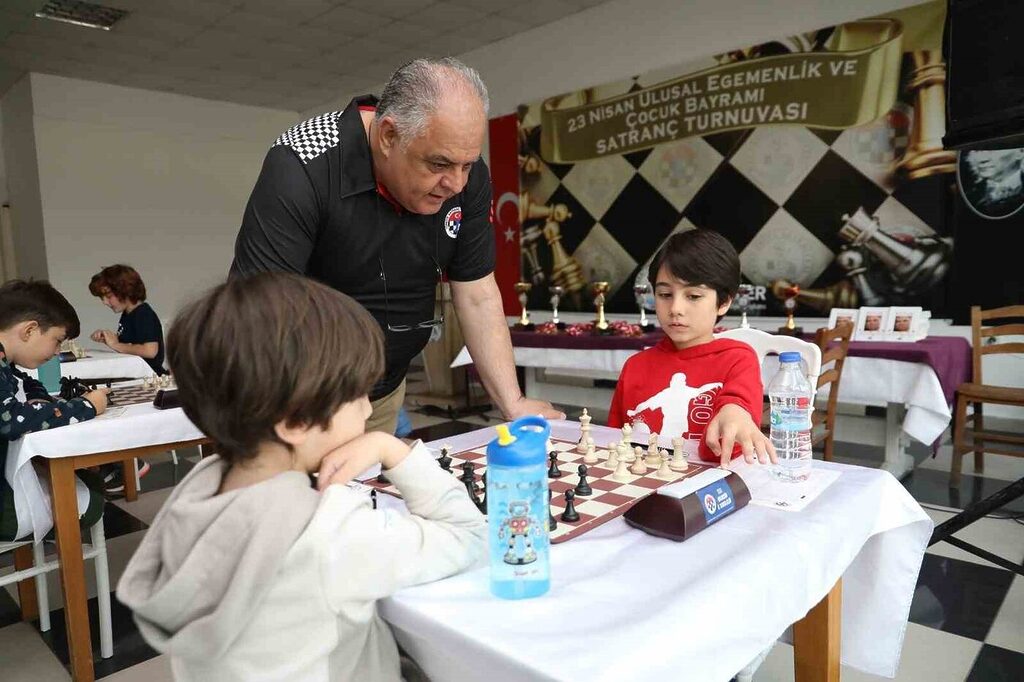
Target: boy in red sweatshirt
x=706, y=390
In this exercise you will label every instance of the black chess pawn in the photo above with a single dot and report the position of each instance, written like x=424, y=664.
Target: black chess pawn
x=552, y=523
x=373, y=498
x=381, y=478
x=553, y=470
x=467, y=473
x=570, y=515
x=583, y=488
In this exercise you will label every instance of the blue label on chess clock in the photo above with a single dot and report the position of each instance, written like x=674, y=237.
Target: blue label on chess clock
x=716, y=500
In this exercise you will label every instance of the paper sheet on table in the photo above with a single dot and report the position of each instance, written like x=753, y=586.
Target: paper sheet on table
x=767, y=491
x=113, y=412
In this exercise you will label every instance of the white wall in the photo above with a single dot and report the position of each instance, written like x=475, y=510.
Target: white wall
x=19, y=151
x=155, y=180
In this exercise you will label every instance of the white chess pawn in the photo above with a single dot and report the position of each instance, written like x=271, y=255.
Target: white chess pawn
x=613, y=455
x=591, y=456
x=622, y=471
x=627, y=433
x=639, y=466
x=664, y=471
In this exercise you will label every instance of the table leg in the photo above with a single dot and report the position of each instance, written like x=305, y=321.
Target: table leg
x=897, y=462
x=816, y=639
x=72, y=568
x=27, y=587
x=131, y=487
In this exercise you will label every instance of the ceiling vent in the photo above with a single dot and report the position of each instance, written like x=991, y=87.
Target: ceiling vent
x=81, y=13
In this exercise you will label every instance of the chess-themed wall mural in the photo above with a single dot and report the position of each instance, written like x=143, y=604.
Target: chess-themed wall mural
x=818, y=155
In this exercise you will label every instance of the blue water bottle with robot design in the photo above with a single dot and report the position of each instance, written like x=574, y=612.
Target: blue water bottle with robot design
x=517, y=509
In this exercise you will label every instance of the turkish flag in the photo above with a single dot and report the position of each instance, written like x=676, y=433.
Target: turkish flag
x=504, y=146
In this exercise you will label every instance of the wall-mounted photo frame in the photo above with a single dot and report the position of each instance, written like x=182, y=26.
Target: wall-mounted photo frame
x=872, y=324
x=903, y=323
x=849, y=315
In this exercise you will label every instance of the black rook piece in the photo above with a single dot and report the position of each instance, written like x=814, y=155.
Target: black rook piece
x=553, y=470
x=467, y=473
x=570, y=515
x=583, y=488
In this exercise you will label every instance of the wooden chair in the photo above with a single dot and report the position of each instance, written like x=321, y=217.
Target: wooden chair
x=833, y=343
x=969, y=433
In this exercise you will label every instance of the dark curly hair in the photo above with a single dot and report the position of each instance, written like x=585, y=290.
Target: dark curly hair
x=121, y=280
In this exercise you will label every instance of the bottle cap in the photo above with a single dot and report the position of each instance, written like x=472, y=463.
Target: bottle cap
x=789, y=356
x=504, y=436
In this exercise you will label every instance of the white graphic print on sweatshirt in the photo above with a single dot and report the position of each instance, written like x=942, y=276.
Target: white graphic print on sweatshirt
x=676, y=410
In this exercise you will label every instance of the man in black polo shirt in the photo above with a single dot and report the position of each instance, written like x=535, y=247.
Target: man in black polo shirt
x=378, y=201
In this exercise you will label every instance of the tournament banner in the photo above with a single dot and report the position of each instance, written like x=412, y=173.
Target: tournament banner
x=818, y=155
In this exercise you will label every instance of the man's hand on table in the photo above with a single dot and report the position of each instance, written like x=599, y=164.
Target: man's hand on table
x=528, y=406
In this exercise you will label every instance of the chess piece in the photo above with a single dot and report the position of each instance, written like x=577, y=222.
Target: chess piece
x=570, y=515
x=925, y=154
x=565, y=270
x=622, y=472
x=528, y=245
x=916, y=264
x=373, y=498
x=556, y=296
x=599, y=290
x=842, y=294
x=790, y=294
x=552, y=524
x=591, y=456
x=467, y=473
x=665, y=471
x=679, y=462
x=585, y=418
x=523, y=289
x=381, y=478
x=445, y=460
x=626, y=452
x=583, y=488
x=627, y=433
x=613, y=455
x=639, y=466
x=553, y=470
x=853, y=264
x=640, y=291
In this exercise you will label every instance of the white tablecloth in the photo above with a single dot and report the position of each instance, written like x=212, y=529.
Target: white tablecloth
x=624, y=605
x=103, y=365
x=138, y=426
x=866, y=381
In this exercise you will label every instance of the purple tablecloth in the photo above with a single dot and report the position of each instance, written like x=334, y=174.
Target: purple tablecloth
x=949, y=356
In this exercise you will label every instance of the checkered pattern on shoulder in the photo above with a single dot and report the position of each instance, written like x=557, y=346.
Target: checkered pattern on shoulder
x=312, y=137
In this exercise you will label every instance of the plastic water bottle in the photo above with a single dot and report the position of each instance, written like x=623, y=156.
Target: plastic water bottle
x=49, y=374
x=791, y=405
x=517, y=509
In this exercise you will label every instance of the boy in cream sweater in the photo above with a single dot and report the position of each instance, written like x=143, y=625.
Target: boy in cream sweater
x=250, y=573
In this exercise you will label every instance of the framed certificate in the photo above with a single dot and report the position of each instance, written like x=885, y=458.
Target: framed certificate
x=872, y=324
x=903, y=323
x=848, y=315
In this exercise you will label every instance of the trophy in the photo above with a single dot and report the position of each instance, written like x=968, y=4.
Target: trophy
x=601, y=325
x=523, y=289
x=790, y=294
x=640, y=291
x=528, y=244
x=743, y=295
x=556, y=296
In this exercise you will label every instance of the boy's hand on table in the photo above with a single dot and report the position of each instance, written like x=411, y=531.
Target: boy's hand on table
x=733, y=425
x=344, y=463
x=98, y=398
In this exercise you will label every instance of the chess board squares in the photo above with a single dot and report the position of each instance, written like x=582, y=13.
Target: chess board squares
x=640, y=218
x=540, y=185
x=679, y=169
x=895, y=218
x=784, y=249
x=778, y=158
x=832, y=189
x=731, y=204
x=875, y=148
x=603, y=259
x=597, y=182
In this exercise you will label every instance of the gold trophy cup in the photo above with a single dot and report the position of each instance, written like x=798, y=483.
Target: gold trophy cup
x=556, y=296
x=599, y=289
x=790, y=293
x=523, y=289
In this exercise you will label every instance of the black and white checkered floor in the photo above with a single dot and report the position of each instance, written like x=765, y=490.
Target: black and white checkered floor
x=967, y=620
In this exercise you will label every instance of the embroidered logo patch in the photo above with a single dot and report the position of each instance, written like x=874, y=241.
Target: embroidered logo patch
x=453, y=221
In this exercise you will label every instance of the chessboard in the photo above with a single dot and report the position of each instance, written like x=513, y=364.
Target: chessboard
x=132, y=395
x=610, y=498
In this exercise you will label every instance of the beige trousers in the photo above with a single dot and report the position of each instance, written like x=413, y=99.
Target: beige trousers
x=385, y=411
